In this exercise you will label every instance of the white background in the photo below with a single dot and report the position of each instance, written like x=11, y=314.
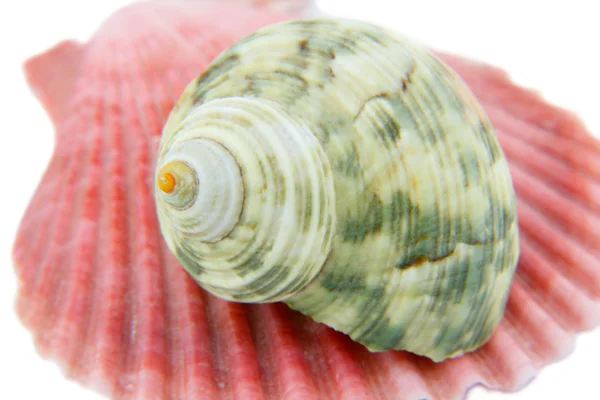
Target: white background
x=551, y=46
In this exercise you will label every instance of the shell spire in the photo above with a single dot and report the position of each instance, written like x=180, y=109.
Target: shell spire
x=256, y=221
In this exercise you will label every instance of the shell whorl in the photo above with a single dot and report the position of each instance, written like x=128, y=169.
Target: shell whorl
x=254, y=219
x=206, y=194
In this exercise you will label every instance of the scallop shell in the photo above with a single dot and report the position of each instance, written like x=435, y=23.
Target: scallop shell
x=105, y=298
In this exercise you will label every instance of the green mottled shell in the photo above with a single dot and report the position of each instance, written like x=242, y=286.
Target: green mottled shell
x=425, y=239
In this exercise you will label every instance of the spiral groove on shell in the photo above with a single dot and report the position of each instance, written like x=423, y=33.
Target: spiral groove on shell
x=411, y=238
x=271, y=174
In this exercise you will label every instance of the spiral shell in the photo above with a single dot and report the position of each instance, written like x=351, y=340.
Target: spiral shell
x=345, y=170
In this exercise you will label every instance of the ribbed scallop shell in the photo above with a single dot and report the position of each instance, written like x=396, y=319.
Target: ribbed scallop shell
x=103, y=296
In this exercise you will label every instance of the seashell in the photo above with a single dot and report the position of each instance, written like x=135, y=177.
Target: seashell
x=104, y=297
x=344, y=170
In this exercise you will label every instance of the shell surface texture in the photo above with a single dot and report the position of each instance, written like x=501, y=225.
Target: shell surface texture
x=344, y=170
x=105, y=298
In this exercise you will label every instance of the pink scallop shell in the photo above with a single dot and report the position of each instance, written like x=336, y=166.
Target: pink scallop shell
x=104, y=297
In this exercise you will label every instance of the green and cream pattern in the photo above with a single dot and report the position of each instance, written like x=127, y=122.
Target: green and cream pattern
x=354, y=177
